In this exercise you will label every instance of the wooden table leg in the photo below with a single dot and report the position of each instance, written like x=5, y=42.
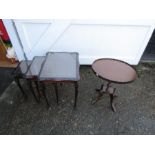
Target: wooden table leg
x=76, y=93
x=20, y=87
x=56, y=92
x=31, y=89
x=100, y=92
x=109, y=90
x=44, y=93
x=37, y=87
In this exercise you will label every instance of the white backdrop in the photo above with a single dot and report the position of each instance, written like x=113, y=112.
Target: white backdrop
x=92, y=39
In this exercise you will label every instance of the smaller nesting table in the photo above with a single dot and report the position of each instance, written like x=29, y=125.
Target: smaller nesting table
x=20, y=73
x=29, y=70
x=113, y=71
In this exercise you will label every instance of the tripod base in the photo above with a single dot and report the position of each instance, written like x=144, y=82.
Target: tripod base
x=108, y=89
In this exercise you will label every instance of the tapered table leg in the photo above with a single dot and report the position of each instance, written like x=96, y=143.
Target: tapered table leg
x=112, y=103
x=96, y=99
x=37, y=87
x=20, y=87
x=44, y=93
x=32, y=90
x=76, y=93
x=56, y=92
x=99, y=95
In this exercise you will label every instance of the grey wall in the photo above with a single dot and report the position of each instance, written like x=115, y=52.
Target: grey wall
x=150, y=49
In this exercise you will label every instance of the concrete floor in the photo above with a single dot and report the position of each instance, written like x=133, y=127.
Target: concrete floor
x=5, y=78
x=135, y=106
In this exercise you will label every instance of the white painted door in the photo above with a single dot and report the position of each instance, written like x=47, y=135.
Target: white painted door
x=92, y=39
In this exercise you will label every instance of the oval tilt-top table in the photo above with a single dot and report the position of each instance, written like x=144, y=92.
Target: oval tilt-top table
x=113, y=71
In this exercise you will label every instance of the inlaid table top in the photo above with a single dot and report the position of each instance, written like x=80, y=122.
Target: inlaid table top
x=114, y=70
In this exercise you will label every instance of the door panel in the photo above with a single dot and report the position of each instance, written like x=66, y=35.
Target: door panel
x=92, y=39
x=38, y=37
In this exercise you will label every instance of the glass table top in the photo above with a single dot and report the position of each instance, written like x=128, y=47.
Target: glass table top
x=60, y=66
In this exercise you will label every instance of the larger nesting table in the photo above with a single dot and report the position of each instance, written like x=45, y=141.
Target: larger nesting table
x=113, y=71
x=60, y=67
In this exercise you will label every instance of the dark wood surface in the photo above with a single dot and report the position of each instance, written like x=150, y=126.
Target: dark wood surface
x=2, y=51
x=114, y=70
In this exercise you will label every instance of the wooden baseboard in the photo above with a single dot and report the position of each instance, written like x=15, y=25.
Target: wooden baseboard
x=8, y=64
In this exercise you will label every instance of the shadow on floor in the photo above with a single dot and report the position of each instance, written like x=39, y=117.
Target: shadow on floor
x=5, y=78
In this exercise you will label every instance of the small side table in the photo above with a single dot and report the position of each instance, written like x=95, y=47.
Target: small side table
x=33, y=72
x=29, y=70
x=19, y=73
x=60, y=67
x=113, y=71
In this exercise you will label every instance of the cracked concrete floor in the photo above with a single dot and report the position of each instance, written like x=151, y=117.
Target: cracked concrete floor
x=135, y=106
